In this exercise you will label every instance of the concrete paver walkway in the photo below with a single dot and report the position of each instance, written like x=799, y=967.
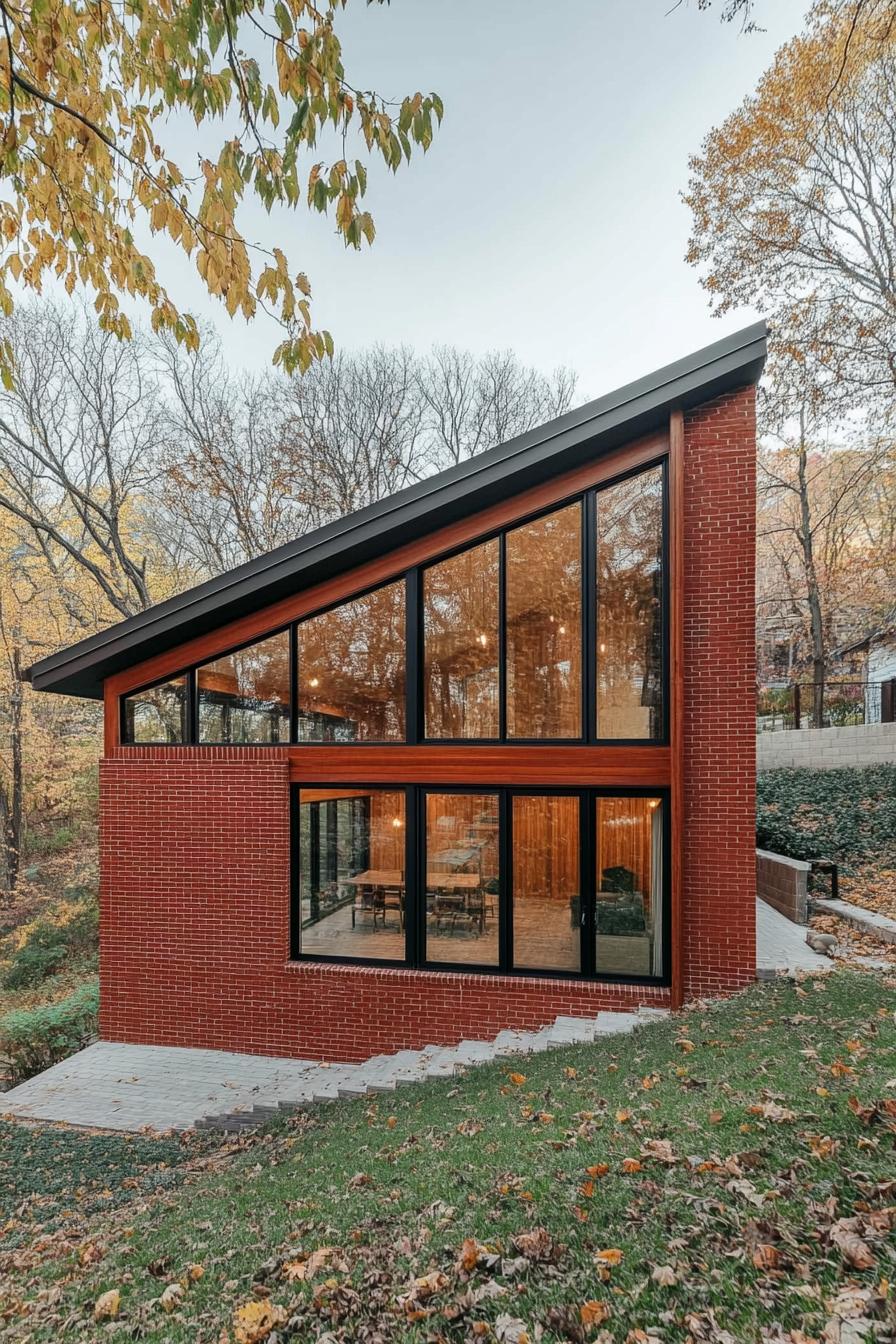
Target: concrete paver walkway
x=131, y=1087
x=781, y=947
x=115, y=1086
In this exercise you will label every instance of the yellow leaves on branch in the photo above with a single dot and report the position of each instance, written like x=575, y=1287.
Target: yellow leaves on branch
x=782, y=192
x=92, y=101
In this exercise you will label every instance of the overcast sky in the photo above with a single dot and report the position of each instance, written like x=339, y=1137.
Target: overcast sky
x=546, y=216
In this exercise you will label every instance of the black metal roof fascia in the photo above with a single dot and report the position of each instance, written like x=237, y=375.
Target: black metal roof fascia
x=517, y=465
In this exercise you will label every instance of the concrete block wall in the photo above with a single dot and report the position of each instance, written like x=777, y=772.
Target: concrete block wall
x=828, y=748
x=783, y=884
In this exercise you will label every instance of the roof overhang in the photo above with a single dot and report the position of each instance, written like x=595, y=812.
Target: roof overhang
x=561, y=445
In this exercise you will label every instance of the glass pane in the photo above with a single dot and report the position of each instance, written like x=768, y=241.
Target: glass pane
x=351, y=872
x=462, y=878
x=157, y=715
x=546, y=902
x=244, y=696
x=352, y=670
x=629, y=910
x=629, y=607
x=460, y=632
x=544, y=626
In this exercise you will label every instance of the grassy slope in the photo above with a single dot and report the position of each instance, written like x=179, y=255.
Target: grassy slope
x=739, y=1204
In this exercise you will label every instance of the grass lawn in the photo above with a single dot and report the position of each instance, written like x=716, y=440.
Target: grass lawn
x=727, y=1175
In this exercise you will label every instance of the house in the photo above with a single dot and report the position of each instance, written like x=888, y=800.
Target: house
x=881, y=669
x=477, y=755
x=874, y=660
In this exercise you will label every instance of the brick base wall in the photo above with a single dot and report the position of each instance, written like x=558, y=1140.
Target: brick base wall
x=195, y=849
x=194, y=911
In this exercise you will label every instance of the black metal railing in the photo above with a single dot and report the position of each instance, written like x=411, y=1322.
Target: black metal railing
x=829, y=704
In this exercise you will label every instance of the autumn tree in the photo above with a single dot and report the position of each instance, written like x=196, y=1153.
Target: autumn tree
x=80, y=422
x=251, y=463
x=792, y=204
x=827, y=560
x=472, y=404
x=94, y=103
x=46, y=742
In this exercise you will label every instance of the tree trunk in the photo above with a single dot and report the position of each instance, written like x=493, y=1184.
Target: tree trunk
x=813, y=593
x=11, y=794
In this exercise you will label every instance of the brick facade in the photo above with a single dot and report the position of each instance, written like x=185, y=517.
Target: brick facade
x=720, y=695
x=195, y=848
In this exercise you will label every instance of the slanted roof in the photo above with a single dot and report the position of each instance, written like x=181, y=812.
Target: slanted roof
x=510, y=468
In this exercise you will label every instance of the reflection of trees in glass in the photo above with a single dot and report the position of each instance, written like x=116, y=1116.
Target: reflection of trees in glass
x=544, y=626
x=629, y=607
x=346, y=834
x=158, y=714
x=244, y=696
x=460, y=625
x=352, y=670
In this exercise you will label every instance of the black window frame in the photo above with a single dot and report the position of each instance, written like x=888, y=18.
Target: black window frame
x=193, y=688
x=415, y=879
x=186, y=678
x=402, y=577
x=414, y=693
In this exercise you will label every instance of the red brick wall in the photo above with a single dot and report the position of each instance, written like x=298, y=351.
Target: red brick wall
x=720, y=695
x=195, y=929
x=195, y=849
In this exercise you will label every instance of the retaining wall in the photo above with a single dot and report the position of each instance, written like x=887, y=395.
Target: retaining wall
x=827, y=748
x=783, y=884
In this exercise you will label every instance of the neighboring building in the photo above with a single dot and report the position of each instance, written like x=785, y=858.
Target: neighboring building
x=878, y=654
x=479, y=754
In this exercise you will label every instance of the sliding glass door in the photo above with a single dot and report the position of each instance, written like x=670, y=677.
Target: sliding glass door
x=570, y=882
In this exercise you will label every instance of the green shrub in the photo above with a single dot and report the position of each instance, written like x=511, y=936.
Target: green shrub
x=43, y=843
x=42, y=954
x=50, y=941
x=845, y=815
x=31, y=1039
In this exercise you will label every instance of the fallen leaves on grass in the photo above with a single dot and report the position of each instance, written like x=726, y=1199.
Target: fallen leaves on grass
x=845, y=1236
x=172, y=1297
x=664, y=1275
x=107, y=1305
x=254, y=1321
x=511, y=1330
x=539, y=1246
x=593, y=1312
x=770, y=1110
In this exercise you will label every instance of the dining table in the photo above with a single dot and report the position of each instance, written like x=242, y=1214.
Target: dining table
x=435, y=881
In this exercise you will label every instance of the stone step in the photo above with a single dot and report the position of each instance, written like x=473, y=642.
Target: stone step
x=440, y=1061
x=542, y=1040
x=513, y=1042
x=572, y=1031
x=614, y=1024
x=474, y=1052
x=383, y=1073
